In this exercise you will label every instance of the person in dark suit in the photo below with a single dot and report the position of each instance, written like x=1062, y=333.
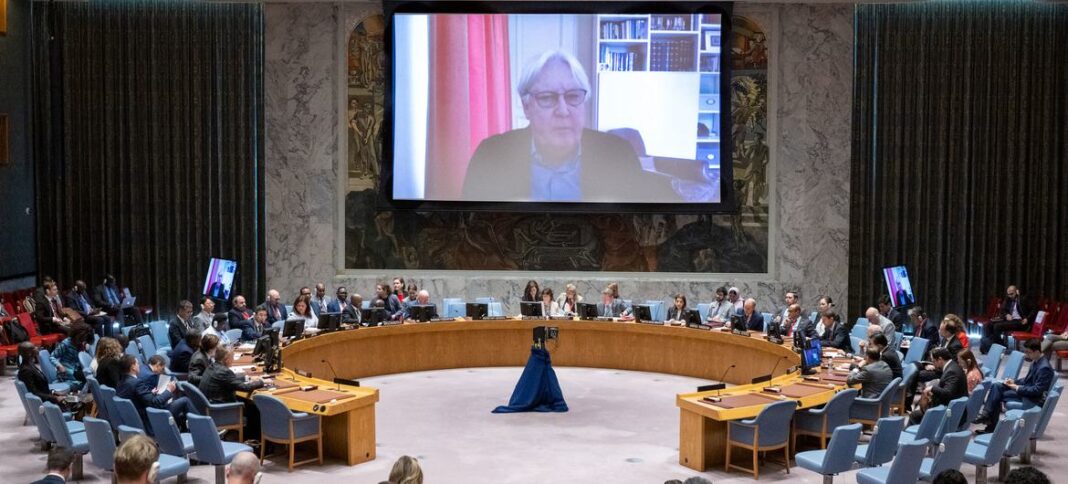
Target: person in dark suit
x=797, y=325
x=751, y=319
x=219, y=383
x=31, y=375
x=422, y=298
x=254, y=327
x=610, y=307
x=896, y=315
x=239, y=312
x=340, y=302
x=952, y=385
x=77, y=299
x=835, y=334
x=1017, y=314
x=873, y=377
x=48, y=311
x=353, y=313
x=556, y=158
x=925, y=328
x=60, y=460
x=276, y=311
x=200, y=360
x=320, y=301
x=183, y=352
x=108, y=297
x=678, y=311
x=391, y=303
x=948, y=330
x=1031, y=390
x=181, y=324
x=142, y=391
x=887, y=354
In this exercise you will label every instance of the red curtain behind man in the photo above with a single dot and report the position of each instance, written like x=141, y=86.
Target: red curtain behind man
x=470, y=96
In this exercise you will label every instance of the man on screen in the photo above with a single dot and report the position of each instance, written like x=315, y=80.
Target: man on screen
x=556, y=158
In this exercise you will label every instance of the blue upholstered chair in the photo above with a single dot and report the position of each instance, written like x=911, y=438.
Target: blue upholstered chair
x=148, y=346
x=87, y=362
x=171, y=440
x=928, y=426
x=21, y=389
x=822, y=422
x=897, y=401
x=950, y=455
x=770, y=430
x=1013, y=365
x=985, y=454
x=955, y=412
x=101, y=443
x=993, y=360
x=233, y=335
x=128, y=415
x=703, y=309
x=1043, y=421
x=49, y=370
x=159, y=336
x=883, y=444
x=102, y=448
x=1020, y=439
x=495, y=310
x=76, y=442
x=836, y=458
x=975, y=403
x=868, y=410
x=107, y=396
x=280, y=425
x=483, y=300
x=916, y=349
x=658, y=309
x=38, y=418
x=452, y=307
x=227, y=416
x=860, y=328
x=906, y=466
x=767, y=321
x=210, y=448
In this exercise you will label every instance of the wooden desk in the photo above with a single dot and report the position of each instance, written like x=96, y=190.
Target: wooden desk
x=384, y=350
x=703, y=425
x=348, y=424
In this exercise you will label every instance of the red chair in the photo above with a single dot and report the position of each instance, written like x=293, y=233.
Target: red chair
x=31, y=328
x=992, y=307
x=1037, y=330
x=1058, y=322
x=10, y=309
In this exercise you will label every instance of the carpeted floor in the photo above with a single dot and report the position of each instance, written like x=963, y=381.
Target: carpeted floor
x=622, y=427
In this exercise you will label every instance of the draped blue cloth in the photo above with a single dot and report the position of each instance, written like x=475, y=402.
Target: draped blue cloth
x=537, y=389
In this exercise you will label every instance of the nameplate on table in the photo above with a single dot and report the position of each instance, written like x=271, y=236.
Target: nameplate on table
x=744, y=400
x=740, y=332
x=699, y=326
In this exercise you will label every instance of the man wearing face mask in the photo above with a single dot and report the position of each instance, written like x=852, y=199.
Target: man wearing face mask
x=1031, y=390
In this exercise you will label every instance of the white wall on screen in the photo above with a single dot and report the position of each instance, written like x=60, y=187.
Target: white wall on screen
x=530, y=35
x=412, y=42
x=662, y=106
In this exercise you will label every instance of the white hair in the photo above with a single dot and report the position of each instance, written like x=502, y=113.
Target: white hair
x=424, y=293
x=535, y=66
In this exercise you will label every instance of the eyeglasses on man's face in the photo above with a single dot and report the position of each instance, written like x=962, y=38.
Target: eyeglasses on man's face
x=550, y=99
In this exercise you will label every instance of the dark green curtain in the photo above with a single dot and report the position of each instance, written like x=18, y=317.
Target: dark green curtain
x=960, y=150
x=149, y=144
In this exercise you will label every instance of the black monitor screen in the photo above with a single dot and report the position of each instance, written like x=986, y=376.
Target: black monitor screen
x=530, y=308
x=329, y=321
x=293, y=328
x=642, y=312
x=477, y=310
x=813, y=355
x=692, y=316
x=421, y=312
x=587, y=311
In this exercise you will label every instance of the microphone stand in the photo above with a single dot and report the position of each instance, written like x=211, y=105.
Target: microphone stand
x=324, y=360
x=724, y=375
x=776, y=367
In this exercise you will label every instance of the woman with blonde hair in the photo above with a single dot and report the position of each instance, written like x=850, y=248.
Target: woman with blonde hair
x=406, y=471
x=107, y=362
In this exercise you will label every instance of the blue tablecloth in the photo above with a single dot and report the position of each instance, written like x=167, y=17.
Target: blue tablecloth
x=537, y=389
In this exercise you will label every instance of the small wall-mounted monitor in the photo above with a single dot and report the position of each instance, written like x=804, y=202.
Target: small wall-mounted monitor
x=898, y=286
x=220, y=279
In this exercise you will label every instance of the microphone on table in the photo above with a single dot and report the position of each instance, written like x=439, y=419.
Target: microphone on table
x=324, y=360
x=776, y=367
x=721, y=377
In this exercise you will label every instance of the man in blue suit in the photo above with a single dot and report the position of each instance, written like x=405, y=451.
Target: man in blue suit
x=59, y=463
x=1031, y=390
x=751, y=319
x=142, y=391
x=339, y=303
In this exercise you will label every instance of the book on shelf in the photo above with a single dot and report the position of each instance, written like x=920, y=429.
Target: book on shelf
x=633, y=29
x=672, y=54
